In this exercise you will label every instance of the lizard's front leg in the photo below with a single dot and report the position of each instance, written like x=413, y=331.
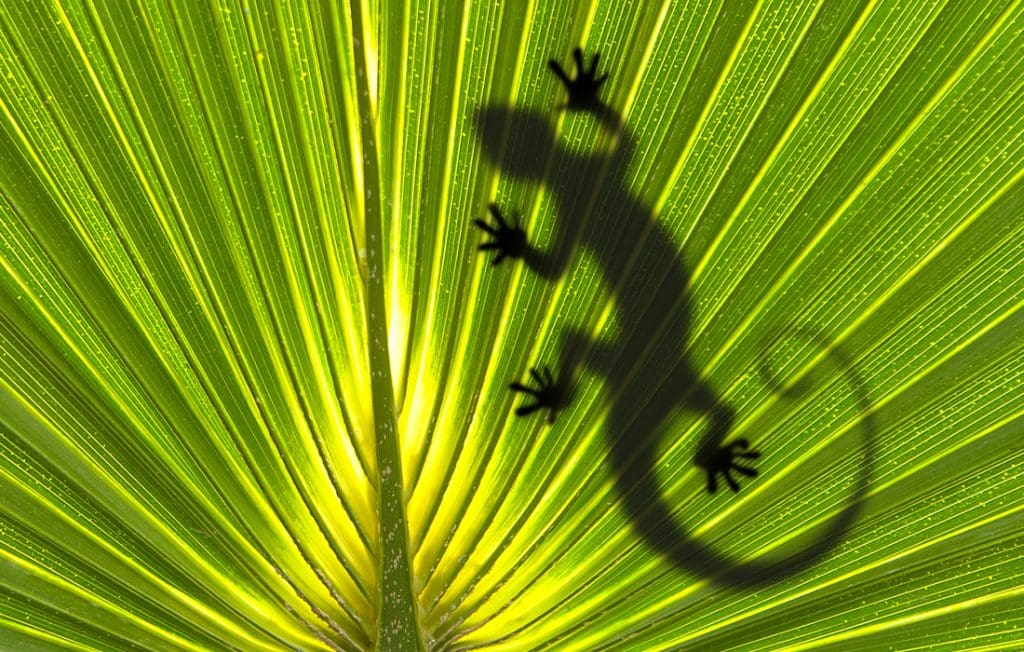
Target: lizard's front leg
x=582, y=88
x=509, y=240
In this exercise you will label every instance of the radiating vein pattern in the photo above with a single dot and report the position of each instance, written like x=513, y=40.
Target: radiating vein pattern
x=184, y=353
x=848, y=167
x=254, y=371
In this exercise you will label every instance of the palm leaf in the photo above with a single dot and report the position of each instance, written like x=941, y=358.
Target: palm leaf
x=255, y=373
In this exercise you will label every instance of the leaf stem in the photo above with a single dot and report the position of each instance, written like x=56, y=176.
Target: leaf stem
x=398, y=626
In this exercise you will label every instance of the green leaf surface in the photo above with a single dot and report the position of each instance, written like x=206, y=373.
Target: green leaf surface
x=254, y=371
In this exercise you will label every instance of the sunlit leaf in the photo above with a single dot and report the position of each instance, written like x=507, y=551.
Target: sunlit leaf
x=254, y=369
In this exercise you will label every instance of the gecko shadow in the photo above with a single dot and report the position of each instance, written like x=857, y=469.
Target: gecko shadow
x=646, y=367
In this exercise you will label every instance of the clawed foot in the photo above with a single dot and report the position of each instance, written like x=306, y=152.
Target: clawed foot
x=723, y=460
x=583, y=89
x=509, y=240
x=548, y=394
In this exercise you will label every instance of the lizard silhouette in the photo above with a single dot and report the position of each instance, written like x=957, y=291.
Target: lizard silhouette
x=644, y=319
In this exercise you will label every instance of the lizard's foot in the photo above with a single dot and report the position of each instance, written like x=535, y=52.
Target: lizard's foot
x=548, y=394
x=583, y=88
x=509, y=239
x=723, y=460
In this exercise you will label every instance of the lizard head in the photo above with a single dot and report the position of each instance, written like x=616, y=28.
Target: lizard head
x=518, y=140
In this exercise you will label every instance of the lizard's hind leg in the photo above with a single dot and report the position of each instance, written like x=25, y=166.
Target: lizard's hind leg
x=554, y=392
x=712, y=456
x=549, y=393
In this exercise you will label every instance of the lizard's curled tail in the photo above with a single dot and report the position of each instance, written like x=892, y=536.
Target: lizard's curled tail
x=652, y=516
